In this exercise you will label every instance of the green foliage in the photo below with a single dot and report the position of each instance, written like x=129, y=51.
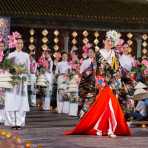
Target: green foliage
x=138, y=69
x=6, y=64
x=9, y=65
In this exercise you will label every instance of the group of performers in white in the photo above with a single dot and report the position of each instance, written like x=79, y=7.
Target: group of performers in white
x=51, y=70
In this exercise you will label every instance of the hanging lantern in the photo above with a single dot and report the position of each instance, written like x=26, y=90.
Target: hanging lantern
x=32, y=32
x=96, y=34
x=74, y=41
x=119, y=34
x=74, y=34
x=31, y=47
x=44, y=39
x=144, y=51
x=56, y=40
x=56, y=47
x=44, y=47
x=144, y=37
x=85, y=33
x=129, y=35
x=130, y=42
x=56, y=32
x=144, y=44
x=96, y=41
x=45, y=32
x=31, y=39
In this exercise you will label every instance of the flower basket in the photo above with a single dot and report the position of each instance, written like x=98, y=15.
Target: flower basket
x=66, y=105
x=141, y=96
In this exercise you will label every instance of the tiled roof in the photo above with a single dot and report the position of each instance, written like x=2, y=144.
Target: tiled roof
x=78, y=9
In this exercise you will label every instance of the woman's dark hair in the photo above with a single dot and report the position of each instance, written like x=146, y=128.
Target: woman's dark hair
x=19, y=38
x=64, y=53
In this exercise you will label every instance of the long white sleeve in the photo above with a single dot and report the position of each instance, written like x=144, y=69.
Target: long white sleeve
x=28, y=64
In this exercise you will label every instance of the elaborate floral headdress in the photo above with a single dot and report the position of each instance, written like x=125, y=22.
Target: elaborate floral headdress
x=12, y=39
x=113, y=35
x=86, y=47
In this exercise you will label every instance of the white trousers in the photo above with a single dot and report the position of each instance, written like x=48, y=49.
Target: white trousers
x=46, y=104
x=2, y=115
x=62, y=106
x=33, y=100
x=15, y=118
x=33, y=90
x=60, y=103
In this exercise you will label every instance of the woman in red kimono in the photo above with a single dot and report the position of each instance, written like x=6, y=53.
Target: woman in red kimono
x=105, y=116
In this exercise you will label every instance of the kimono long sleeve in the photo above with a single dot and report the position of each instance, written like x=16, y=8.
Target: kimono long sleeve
x=28, y=64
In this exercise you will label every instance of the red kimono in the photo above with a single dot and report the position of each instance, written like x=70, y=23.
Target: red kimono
x=103, y=115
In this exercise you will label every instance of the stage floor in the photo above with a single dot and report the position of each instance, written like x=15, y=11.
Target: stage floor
x=47, y=129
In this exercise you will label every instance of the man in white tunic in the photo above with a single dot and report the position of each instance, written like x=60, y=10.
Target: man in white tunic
x=16, y=101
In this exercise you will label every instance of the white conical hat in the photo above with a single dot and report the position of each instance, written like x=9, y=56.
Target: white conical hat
x=41, y=78
x=140, y=85
x=43, y=84
x=139, y=91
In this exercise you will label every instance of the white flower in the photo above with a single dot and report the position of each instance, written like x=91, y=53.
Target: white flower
x=112, y=34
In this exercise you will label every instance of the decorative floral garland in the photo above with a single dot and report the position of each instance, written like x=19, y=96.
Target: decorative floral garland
x=12, y=39
x=113, y=35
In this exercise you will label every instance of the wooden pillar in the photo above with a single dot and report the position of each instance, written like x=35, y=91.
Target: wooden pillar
x=66, y=40
x=139, y=45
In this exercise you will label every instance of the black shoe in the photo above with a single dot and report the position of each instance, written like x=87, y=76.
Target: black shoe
x=13, y=127
x=16, y=127
x=19, y=127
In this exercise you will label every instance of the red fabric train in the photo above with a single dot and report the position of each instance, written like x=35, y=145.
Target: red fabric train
x=103, y=115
